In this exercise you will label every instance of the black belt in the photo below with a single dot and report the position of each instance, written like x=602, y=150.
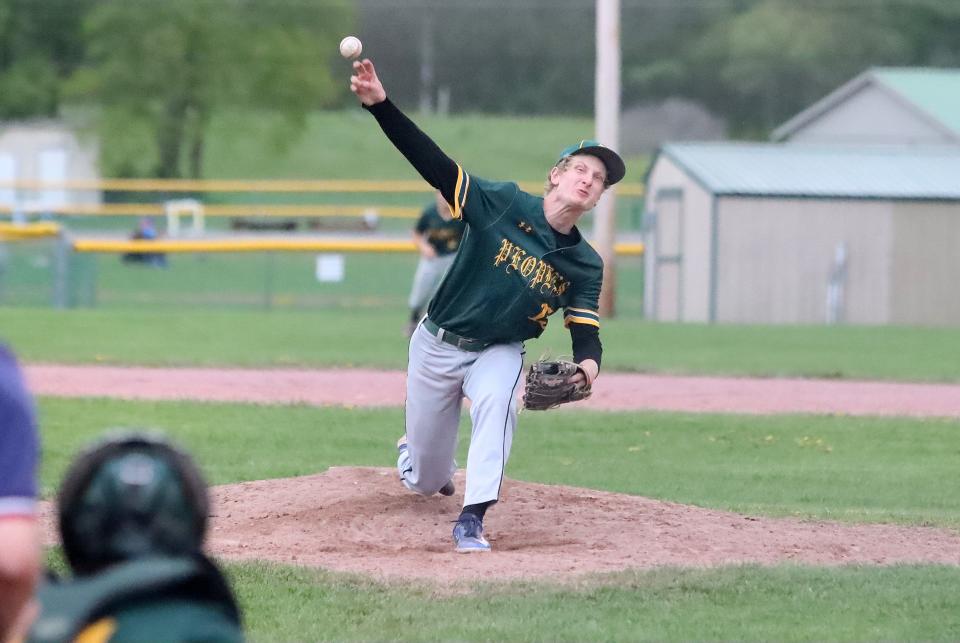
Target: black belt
x=463, y=343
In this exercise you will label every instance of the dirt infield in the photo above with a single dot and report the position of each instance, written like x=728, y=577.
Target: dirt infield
x=613, y=391
x=362, y=520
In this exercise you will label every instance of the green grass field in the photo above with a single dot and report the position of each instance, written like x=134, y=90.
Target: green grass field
x=788, y=603
x=372, y=335
x=350, y=145
x=334, y=145
x=842, y=468
x=30, y=271
x=784, y=603
x=269, y=311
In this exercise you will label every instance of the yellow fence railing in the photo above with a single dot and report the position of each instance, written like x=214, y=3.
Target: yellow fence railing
x=228, y=210
x=239, y=186
x=281, y=244
x=236, y=185
x=13, y=231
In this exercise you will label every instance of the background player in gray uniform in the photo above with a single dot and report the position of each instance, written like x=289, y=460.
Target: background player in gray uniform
x=521, y=259
x=437, y=235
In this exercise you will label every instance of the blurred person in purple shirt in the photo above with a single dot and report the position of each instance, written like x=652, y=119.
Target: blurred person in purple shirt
x=19, y=528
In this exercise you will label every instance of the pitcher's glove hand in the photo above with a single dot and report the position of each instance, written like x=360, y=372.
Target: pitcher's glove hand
x=548, y=385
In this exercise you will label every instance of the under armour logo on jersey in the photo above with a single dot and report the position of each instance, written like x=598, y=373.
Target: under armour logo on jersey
x=526, y=227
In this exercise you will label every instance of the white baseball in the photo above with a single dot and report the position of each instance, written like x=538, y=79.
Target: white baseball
x=350, y=47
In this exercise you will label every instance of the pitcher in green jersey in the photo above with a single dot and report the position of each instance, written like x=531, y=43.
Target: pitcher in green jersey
x=521, y=259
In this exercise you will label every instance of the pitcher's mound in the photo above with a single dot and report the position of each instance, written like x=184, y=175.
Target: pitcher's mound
x=361, y=519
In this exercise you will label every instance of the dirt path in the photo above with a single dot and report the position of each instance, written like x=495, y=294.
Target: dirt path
x=613, y=391
x=360, y=519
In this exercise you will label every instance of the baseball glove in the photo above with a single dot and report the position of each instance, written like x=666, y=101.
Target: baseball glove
x=548, y=385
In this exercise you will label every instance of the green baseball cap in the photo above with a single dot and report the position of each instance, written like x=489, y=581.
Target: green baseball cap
x=614, y=164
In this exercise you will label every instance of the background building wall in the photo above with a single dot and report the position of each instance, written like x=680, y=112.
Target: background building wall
x=926, y=263
x=678, y=292
x=776, y=255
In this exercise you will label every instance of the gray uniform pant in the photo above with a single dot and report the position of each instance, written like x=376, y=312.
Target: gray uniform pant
x=438, y=377
x=427, y=278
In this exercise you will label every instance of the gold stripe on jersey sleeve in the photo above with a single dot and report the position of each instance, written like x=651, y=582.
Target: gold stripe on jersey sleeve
x=449, y=207
x=457, y=199
x=573, y=319
x=572, y=315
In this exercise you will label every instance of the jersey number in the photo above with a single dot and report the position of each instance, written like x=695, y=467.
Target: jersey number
x=541, y=317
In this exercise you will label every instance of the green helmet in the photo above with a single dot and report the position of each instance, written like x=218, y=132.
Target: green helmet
x=131, y=495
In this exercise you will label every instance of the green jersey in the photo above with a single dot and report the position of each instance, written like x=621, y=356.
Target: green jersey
x=443, y=234
x=150, y=599
x=513, y=270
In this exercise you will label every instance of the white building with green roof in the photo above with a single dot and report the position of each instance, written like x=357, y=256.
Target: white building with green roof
x=885, y=105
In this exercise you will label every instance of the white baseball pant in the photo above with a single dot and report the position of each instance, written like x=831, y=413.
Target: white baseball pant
x=438, y=377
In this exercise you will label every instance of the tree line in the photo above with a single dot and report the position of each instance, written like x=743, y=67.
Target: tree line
x=151, y=74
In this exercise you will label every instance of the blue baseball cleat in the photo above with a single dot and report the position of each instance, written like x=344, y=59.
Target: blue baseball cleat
x=468, y=535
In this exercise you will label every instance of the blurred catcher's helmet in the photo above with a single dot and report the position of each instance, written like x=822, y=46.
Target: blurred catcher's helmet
x=132, y=494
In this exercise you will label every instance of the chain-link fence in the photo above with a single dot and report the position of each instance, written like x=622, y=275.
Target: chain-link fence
x=51, y=272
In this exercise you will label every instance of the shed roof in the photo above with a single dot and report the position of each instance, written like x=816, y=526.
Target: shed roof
x=798, y=170
x=932, y=93
x=936, y=91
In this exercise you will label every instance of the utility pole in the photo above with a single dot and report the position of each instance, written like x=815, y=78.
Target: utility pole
x=426, y=64
x=607, y=116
